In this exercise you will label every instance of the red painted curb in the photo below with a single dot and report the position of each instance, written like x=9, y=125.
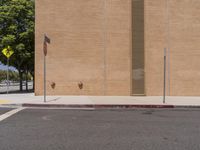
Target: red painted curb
x=97, y=106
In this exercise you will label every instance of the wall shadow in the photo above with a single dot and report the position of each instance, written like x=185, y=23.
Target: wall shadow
x=138, y=87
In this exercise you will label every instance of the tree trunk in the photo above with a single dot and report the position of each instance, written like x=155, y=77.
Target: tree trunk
x=26, y=80
x=32, y=74
x=33, y=83
x=20, y=81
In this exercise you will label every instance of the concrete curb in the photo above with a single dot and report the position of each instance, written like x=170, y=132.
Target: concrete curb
x=98, y=106
x=186, y=106
x=11, y=105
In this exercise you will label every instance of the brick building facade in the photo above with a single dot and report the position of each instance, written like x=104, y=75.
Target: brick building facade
x=116, y=47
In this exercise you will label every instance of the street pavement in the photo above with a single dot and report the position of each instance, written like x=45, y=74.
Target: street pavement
x=136, y=129
x=4, y=110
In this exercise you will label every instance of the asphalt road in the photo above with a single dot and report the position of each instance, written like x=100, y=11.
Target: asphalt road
x=139, y=129
x=4, y=110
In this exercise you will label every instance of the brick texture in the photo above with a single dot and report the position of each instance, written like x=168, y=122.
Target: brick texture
x=173, y=24
x=116, y=47
x=90, y=43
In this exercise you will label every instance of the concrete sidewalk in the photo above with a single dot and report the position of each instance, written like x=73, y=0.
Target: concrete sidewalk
x=101, y=101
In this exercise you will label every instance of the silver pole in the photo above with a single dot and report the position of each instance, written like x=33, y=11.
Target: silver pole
x=164, y=88
x=44, y=78
x=7, y=75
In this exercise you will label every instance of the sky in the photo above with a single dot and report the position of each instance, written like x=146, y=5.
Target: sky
x=3, y=67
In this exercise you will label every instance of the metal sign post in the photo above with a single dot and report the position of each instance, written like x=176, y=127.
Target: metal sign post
x=45, y=78
x=164, y=88
x=46, y=40
x=8, y=75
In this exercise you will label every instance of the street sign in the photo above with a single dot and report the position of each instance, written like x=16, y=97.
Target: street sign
x=7, y=51
x=45, y=48
x=46, y=40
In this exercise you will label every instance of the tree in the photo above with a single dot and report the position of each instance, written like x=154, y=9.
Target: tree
x=2, y=75
x=17, y=30
x=14, y=76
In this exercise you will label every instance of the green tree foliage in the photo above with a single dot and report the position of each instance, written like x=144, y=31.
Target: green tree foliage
x=17, y=31
x=2, y=75
x=13, y=75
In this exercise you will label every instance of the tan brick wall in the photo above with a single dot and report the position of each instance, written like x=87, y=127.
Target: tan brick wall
x=181, y=25
x=118, y=47
x=107, y=44
x=185, y=47
x=90, y=43
x=155, y=41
